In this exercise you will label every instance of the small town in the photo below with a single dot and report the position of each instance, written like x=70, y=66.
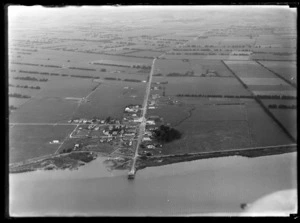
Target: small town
x=121, y=133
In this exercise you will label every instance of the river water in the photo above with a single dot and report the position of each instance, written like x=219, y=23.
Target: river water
x=217, y=185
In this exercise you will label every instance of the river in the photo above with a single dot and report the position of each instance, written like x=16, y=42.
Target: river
x=217, y=185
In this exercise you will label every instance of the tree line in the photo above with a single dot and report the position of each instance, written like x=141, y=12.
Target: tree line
x=16, y=95
x=274, y=106
x=238, y=96
x=31, y=79
x=25, y=86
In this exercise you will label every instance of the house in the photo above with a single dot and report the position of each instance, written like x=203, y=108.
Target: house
x=137, y=120
x=150, y=147
x=147, y=133
x=114, y=133
x=55, y=141
x=146, y=139
x=105, y=132
x=151, y=107
x=129, y=134
x=90, y=127
x=152, y=103
x=150, y=122
x=97, y=128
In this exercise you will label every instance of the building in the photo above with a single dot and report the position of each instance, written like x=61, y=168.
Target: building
x=150, y=147
x=150, y=122
x=146, y=139
x=137, y=120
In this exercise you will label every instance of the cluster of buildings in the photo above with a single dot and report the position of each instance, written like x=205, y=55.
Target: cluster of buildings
x=94, y=121
x=132, y=113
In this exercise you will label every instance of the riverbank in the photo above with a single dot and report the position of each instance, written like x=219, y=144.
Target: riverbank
x=207, y=187
x=144, y=162
x=75, y=160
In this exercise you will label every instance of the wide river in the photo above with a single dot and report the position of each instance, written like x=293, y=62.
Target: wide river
x=217, y=185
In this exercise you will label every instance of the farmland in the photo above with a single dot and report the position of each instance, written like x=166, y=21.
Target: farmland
x=33, y=141
x=204, y=82
x=201, y=85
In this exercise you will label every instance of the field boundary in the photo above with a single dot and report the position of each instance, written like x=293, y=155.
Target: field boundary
x=278, y=75
x=263, y=106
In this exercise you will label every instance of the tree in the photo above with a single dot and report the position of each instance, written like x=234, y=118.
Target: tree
x=107, y=120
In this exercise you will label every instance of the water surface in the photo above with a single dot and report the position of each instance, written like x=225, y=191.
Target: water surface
x=217, y=185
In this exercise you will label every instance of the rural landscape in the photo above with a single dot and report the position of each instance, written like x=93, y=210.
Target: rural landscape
x=139, y=91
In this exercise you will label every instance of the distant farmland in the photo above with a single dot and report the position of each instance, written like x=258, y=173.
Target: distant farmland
x=32, y=141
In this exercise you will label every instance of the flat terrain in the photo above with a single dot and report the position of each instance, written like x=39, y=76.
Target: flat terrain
x=60, y=70
x=27, y=142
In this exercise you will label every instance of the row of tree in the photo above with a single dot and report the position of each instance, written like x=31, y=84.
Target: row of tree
x=16, y=95
x=142, y=67
x=25, y=86
x=81, y=68
x=238, y=96
x=31, y=79
x=11, y=107
x=174, y=74
x=283, y=106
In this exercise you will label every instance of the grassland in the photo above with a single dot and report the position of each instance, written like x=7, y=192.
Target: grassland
x=287, y=117
x=202, y=85
x=27, y=142
x=111, y=98
x=79, y=57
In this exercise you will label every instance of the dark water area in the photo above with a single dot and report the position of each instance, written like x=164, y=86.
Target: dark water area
x=211, y=186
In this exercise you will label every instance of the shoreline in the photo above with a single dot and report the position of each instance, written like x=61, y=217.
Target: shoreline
x=142, y=161
x=250, y=153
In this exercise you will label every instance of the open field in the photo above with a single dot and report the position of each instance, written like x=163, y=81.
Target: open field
x=264, y=130
x=286, y=69
x=165, y=67
x=249, y=69
x=211, y=124
x=110, y=99
x=144, y=54
x=263, y=81
x=287, y=117
x=202, y=85
x=71, y=87
x=278, y=92
x=269, y=87
x=44, y=110
x=209, y=136
x=208, y=66
x=78, y=57
x=27, y=142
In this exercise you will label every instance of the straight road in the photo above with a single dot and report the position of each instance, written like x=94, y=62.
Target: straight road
x=143, y=123
x=145, y=103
